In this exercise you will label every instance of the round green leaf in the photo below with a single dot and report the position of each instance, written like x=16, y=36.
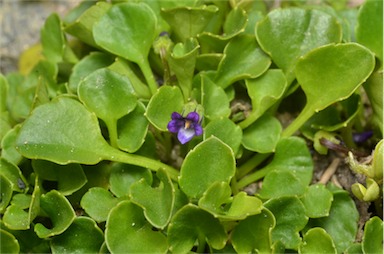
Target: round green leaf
x=127, y=231
x=87, y=65
x=209, y=162
x=286, y=34
x=127, y=30
x=262, y=136
x=254, y=233
x=62, y=131
x=52, y=39
x=6, y=193
x=108, y=94
x=191, y=223
x=218, y=201
x=97, y=202
x=373, y=236
x=290, y=220
x=9, y=243
x=341, y=224
x=317, y=201
x=8, y=150
x=83, y=236
x=158, y=202
x=13, y=174
x=344, y=66
x=69, y=178
x=317, y=240
x=124, y=175
x=242, y=59
x=59, y=210
x=226, y=130
x=132, y=129
x=369, y=29
x=166, y=101
x=274, y=180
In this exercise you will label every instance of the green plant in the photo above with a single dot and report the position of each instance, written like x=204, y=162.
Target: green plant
x=142, y=131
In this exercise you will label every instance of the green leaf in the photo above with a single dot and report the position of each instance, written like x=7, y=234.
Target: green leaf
x=344, y=66
x=263, y=135
x=191, y=223
x=286, y=34
x=82, y=27
x=242, y=59
x=4, y=87
x=317, y=240
x=264, y=91
x=127, y=30
x=124, y=175
x=8, y=150
x=290, y=220
x=97, y=202
x=83, y=236
x=209, y=162
x=183, y=20
x=132, y=129
x=372, y=239
x=341, y=224
x=369, y=29
x=254, y=233
x=226, y=130
x=62, y=131
x=9, y=243
x=374, y=89
x=182, y=63
x=127, y=231
x=166, y=101
x=14, y=175
x=108, y=94
x=158, y=202
x=273, y=182
x=214, y=99
x=218, y=201
x=317, y=201
x=60, y=212
x=87, y=65
x=70, y=178
x=52, y=39
x=6, y=193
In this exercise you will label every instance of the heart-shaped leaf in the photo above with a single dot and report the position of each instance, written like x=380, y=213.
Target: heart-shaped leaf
x=226, y=130
x=264, y=91
x=372, y=239
x=242, y=59
x=290, y=220
x=108, y=94
x=182, y=20
x=191, y=223
x=97, y=202
x=254, y=233
x=209, y=162
x=317, y=240
x=127, y=231
x=262, y=136
x=288, y=33
x=60, y=212
x=9, y=243
x=124, y=175
x=158, y=202
x=218, y=201
x=82, y=236
x=317, y=201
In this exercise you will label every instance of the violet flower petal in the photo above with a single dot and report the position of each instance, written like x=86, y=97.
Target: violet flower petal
x=198, y=129
x=175, y=125
x=193, y=116
x=185, y=135
x=176, y=116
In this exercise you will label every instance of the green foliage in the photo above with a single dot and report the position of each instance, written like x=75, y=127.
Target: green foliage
x=89, y=162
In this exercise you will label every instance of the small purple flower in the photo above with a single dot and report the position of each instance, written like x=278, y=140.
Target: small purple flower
x=362, y=136
x=185, y=127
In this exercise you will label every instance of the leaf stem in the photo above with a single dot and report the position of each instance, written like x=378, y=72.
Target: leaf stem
x=147, y=71
x=253, y=177
x=112, y=131
x=305, y=114
x=251, y=164
x=141, y=161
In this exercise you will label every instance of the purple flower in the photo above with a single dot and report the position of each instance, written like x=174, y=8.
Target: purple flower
x=185, y=127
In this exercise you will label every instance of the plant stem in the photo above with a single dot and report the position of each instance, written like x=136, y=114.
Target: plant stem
x=147, y=71
x=251, y=164
x=305, y=114
x=112, y=131
x=253, y=177
x=141, y=161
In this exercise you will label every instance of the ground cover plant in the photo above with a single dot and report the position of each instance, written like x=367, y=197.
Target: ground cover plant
x=203, y=126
